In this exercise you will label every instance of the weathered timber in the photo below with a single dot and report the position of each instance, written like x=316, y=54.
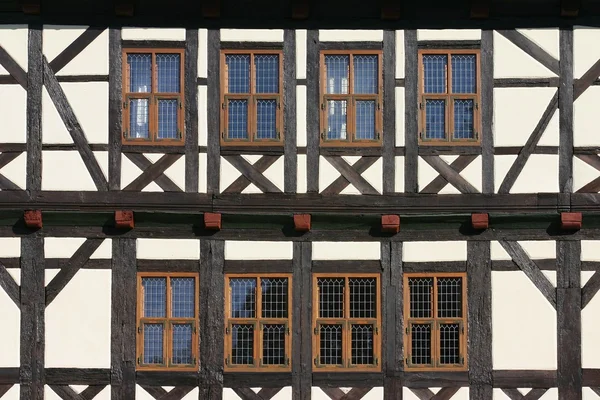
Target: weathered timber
x=438, y=266
x=411, y=99
x=123, y=322
x=533, y=394
x=532, y=49
x=177, y=393
x=594, y=161
x=422, y=394
x=115, y=110
x=7, y=184
x=348, y=379
x=591, y=377
x=66, y=393
x=268, y=393
x=257, y=266
x=342, y=182
x=588, y=79
x=12, y=67
x=290, y=159
x=246, y=393
x=32, y=319
x=346, y=266
x=35, y=82
x=565, y=112
x=67, y=114
x=435, y=379
x=302, y=379
x=192, y=157
x=212, y=294
x=389, y=110
x=78, y=376
x=9, y=375
x=353, y=45
x=440, y=181
x=153, y=172
x=213, y=96
x=590, y=187
x=450, y=174
x=9, y=80
x=4, y=389
x=487, y=115
x=7, y=157
x=449, y=44
x=479, y=319
x=75, y=48
x=393, y=316
x=513, y=379
x=68, y=271
x=590, y=289
x=146, y=43
x=256, y=379
x=519, y=163
x=143, y=163
x=242, y=182
x=312, y=110
x=351, y=175
x=167, y=378
x=251, y=45
x=9, y=285
x=248, y=170
x=530, y=269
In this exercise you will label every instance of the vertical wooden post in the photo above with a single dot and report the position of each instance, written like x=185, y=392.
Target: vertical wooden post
x=289, y=111
x=393, y=319
x=35, y=83
x=389, y=111
x=565, y=111
x=302, y=321
x=313, y=102
x=568, y=319
x=123, y=323
x=212, y=305
x=115, y=107
x=192, y=155
x=213, y=140
x=479, y=319
x=411, y=103
x=487, y=111
x=33, y=307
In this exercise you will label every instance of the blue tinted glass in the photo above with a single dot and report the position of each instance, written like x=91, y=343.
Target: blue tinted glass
x=182, y=344
x=155, y=297
x=138, y=119
x=267, y=73
x=365, y=119
x=365, y=74
x=167, y=119
x=243, y=297
x=238, y=67
x=242, y=344
x=337, y=74
x=435, y=73
x=463, y=73
x=169, y=70
x=182, y=297
x=336, y=119
x=237, y=119
x=435, y=119
x=266, y=119
x=463, y=119
x=153, y=344
x=140, y=72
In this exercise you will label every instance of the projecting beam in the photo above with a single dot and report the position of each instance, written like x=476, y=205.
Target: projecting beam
x=569, y=8
x=480, y=9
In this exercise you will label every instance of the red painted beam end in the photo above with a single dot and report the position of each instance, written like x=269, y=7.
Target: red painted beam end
x=212, y=221
x=571, y=221
x=390, y=223
x=33, y=219
x=302, y=222
x=480, y=221
x=124, y=219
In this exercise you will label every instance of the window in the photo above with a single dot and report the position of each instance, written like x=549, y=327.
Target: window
x=449, y=92
x=251, y=97
x=346, y=321
x=435, y=321
x=167, y=316
x=153, y=100
x=258, y=322
x=351, y=87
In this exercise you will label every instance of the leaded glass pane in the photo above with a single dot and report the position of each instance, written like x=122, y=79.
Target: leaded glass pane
x=331, y=297
x=336, y=119
x=167, y=119
x=366, y=71
x=138, y=119
x=463, y=119
x=266, y=119
x=182, y=297
x=449, y=344
x=182, y=344
x=155, y=297
x=153, y=344
x=267, y=73
x=238, y=70
x=363, y=303
x=243, y=297
x=365, y=119
x=435, y=67
x=237, y=119
x=330, y=344
x=338, y=70
x=274, y=344
x=435, y=119
x=449, y=301
x=464, y=74
x=421, y=344
x=362, y=344
x=274, y=297
x=169, y=70
x=140, y=72
x=421, y=290
x=242, y=344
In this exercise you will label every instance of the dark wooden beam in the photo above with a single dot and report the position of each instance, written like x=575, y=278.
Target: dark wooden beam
x=569, y=8
x=351, y=175
x=411, y=126
x=487, y=111
x=9, y=285
x=153, y=172
x=9, y=375
x=7, y=184
x=480, y=9
x=341, y=182
x=302, y=321
x=242, y=182
x=450, y=174
x=532, y=49
x=211, y=8
x=300, y=9
x=31, y=7
x=12, y=67
x=312, y=111
x=192, y=157
x=213, y=110
x=290, y=160
x=391, y=10
x=513, y=379
x=440, y=181
x=124, y=8
x=35, y=82
x=588, y=79
x=75, y=48
x=163, y=181
x=115, y=108
x=4, y=389
x=248, y=170
x=565, y=112
x=389, y=106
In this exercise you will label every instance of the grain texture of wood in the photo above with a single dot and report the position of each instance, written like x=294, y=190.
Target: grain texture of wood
x=115, y=109
x=248, y=170
x=242, y=182
x=78, y=376
x=513, y=379
x=192, y=157
x=34, y=85
x=342, y=182
x=389, y=111
x=487, y=113
x=532, y=49
x=290, y=160
x=440, y=181
x=312, y=110
x=411, y=99
x=450, y=174
x=153, y=172
x=9, y=285
x=143, y=163
x=213, y=111
x=302, y=321
x=565, y=112
x=351, y=175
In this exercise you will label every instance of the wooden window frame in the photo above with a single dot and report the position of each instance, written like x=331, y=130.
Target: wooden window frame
x=346, y=323
x=351, y=141
x=167, y=321
x=258, y=322
x=435, y=321
x=252, y=98
x=449, y=96
x=152, y=97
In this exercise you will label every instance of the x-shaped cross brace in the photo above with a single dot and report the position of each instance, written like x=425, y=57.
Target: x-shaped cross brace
x=350, y=174
x=153, y=172
x=252, y=173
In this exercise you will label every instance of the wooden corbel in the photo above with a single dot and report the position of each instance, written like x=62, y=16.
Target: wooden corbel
x=124, y=219
x=33, y=219
x=212, y=221
x=480, y=221
x=31, y=7
x=124, y=8
x=302, y=222
x=569, y=8
x=390, y=223
x=570, y=221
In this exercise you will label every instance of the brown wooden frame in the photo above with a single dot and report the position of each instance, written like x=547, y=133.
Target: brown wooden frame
x=350, y=98
x=435, y=321
x=346, y=322
x=252, y=97
x=167, y=321
x=449, y=96
x=258, y=321
x=153, y=98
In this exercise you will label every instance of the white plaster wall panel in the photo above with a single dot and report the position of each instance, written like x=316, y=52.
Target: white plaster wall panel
x=12, y=394
x=14, y=39
x=517, y=112
x=583, y=173
x=228, y=174
x=177, y=172
x=472, y=173
x=449, y=34
x=61, y=164
x=512, y=62
x=590, y=250
x=49, y=394
x=259, y=250
x=13, y=113
x=399, y=161
x=585, y=49
x=550, y=394
x=276, y=172
x=327, y=173
x=284, y=394
x=518, y=304
x=547, y=39
x=301, y=177
x=538, y=165
x=588, y=394
x=10, y=247
x=66, y=247
x=301, y=35
x=93, y=60
x=502, y=165
x=590, y=329
x=536, y=249
x=585, y=111
x=168, y=249
x=427, y=173
x=399, y=113
x=202, y=52
x=10, y=316
x=346, y=251
x=16, y=170
x=373, y=175
x=153, y=34
x=90, y=105
x=358, y=35
x=129, y=172
x=301, y=116
x=461, y=394
x=252, y=35
x=434, y=251
x=202, y=115
x=400, y=54
x=202, y=173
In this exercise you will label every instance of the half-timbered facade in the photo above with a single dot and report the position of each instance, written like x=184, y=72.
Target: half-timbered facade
x=288, y=200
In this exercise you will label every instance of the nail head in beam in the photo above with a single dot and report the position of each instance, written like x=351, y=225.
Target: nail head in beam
x=300, y=9
x=480, y=9
x=212, y=221
x=124, y=219
x=31, y=7
x=569, y=8
x=124, y=9
x=211, y=9
x=390, y=223
x=480, y=221
x=302, y=222
x=570, y=221
x=33, y=219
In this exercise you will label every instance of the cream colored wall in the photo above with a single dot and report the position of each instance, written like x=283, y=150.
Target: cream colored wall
x=590, y=329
